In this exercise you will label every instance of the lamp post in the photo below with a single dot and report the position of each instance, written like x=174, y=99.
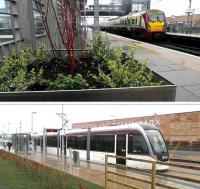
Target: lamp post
x=8, y=129
x=20, y=127
x=3, y=136
x=32, y=113
x=189, y=12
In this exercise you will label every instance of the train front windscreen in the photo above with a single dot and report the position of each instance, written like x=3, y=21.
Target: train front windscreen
x=158, y=144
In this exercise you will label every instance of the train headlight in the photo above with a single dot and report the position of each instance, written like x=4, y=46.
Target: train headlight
x=148, y=27
x=164, y=28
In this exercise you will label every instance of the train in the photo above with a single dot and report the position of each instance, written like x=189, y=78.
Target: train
x=149, y=25
x=136, y=140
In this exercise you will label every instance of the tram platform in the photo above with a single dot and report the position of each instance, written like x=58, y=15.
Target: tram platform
x=185, y=156
x=177, y=67
x=94, y=173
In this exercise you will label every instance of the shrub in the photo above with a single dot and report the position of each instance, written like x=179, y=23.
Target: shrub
x=68, y=82
x=14, y=75
x=115, y=70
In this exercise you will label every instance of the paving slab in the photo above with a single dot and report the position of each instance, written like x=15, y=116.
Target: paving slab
x=179, y=68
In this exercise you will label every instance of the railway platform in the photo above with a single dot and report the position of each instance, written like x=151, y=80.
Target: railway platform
x=179, y=68
x=183, y=35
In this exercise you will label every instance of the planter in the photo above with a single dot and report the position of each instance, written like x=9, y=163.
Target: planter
x=155, y=93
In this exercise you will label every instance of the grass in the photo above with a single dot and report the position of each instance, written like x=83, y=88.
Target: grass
x=13, y=176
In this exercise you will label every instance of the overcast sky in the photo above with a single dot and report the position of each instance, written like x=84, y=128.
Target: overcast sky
x=170, y=7
x=46, y=117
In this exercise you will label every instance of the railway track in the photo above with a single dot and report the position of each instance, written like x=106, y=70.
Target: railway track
x=179, y=47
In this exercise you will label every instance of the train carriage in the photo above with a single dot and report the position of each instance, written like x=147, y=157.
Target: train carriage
x=150, y=24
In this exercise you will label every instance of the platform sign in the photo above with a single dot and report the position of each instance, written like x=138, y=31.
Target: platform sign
x=189, y=11
x=51, y=130
x=173, y=16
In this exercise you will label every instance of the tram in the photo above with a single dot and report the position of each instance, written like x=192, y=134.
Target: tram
x=137, y=140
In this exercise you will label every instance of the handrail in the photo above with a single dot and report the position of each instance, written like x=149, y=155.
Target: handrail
x=107, y=179
x=151, y=172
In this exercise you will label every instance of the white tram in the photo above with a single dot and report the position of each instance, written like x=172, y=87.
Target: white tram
x=137, y=140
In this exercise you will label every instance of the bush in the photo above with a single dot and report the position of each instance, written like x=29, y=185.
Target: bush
x=115, y=70
x=14, y=73
x=68, y=82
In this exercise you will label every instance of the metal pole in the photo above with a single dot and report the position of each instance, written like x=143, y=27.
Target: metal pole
x=44, y=141
x=58, y=141
x=96, y=18
x=62, y=139
x=188, y=21
x=153, y=180
x=32, y=140
x=88, y=144
x=8, y=128
x=20, y=127
x=106, y=171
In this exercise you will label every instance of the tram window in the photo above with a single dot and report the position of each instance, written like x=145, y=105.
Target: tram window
x=137, y=144
x=102, y=143
x=77, y=142
x=52, y=141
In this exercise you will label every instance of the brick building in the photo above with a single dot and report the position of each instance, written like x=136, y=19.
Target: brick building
x=177, y=127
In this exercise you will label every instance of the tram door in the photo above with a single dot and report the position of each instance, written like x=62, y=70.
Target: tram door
x=121, y=149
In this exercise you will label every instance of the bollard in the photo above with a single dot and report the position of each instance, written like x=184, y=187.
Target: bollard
x=76, y=158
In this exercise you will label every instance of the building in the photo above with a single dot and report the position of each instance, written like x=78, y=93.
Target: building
x=132, y=6
x=178, y=127
x=22, y=22
x=180, y=23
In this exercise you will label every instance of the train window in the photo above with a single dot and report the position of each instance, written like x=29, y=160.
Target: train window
x=140, y=21
x=161, y=18
x=102, y=143
x=152, y=18
x=133, y=21
x=137, y=144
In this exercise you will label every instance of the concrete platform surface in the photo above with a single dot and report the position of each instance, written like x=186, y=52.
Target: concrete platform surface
x=179, y=68
x=95, y=173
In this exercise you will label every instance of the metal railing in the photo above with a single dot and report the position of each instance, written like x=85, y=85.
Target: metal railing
x=153, y=181
x=109, y=179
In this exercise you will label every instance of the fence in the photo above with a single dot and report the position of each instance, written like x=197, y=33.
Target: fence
x=152, y=181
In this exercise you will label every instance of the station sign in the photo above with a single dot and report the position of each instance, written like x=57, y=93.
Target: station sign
x=51, y=130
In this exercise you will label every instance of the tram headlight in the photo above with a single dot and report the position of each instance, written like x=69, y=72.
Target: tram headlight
x=162, y=157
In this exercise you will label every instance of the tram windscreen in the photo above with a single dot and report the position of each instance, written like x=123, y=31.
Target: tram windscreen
x=156, y=140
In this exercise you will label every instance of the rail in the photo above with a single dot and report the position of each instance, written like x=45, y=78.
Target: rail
x=153, y=181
